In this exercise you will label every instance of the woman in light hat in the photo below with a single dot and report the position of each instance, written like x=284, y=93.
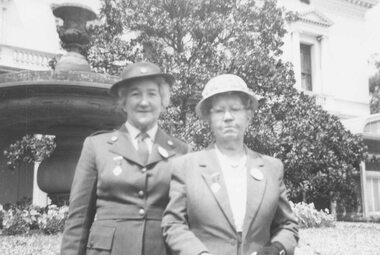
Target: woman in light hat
x=121, y=183
x=227, y=199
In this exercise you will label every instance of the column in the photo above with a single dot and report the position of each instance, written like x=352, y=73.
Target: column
x=40, y=198
x=363, y=183
x=3, y=16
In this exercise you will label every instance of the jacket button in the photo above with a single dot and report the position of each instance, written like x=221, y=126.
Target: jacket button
x=141, y=193
x=141, y=212
x=143, y=169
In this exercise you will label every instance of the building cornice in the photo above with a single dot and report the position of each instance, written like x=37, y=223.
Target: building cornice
x=316, y=18
x=4, y=1
x=364, y=3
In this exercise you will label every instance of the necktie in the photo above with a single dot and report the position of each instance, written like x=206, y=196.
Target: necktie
x=143, y=150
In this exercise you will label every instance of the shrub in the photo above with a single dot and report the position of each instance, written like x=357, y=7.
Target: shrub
x=31, y=148
x=309, y=217
x=53, y=221
x=16, y=222
x=21, y=218
x=1, y=216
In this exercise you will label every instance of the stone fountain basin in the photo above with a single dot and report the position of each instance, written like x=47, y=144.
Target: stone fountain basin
x=68, y=104
x=45, y=102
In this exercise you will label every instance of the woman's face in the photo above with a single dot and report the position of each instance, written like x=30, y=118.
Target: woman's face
x=229, y=117
x=143, y=103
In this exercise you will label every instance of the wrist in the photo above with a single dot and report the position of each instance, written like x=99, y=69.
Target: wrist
x=279, y=247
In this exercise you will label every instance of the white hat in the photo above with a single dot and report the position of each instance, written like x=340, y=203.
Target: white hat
x=221, y=84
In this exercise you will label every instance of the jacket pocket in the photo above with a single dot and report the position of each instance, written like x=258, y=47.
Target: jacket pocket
x=101, y=238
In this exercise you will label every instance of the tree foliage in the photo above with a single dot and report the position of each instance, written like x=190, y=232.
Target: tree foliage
x=374, y=90
x=196, y=40
x=29, y=149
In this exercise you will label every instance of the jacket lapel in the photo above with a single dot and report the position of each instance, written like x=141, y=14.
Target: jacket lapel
x=161, y=149
x=256, y=184
x=123, y=146
x=213, y=177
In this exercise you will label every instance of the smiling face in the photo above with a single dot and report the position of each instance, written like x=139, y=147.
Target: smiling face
x=142, y=103
x=229, y=117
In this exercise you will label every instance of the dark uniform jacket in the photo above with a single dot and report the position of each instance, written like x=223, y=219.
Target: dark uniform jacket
x=117, y=202
x=199, y=218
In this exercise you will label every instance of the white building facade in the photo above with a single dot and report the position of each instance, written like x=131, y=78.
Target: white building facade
x=327, y=47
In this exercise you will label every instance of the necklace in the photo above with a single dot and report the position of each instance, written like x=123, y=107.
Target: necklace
x=231, y=163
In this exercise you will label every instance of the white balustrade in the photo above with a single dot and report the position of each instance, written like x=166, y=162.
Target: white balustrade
x=24, y=58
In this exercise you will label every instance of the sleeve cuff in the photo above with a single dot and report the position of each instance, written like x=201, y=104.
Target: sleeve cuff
x=280, y=248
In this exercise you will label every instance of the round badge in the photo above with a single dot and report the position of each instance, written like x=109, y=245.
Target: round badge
x=117, y=170
x=257, y=174
x=163, y=152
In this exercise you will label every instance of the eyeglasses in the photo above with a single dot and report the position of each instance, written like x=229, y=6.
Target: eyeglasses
x=234, y=110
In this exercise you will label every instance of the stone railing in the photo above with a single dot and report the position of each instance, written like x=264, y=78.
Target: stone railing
x=21, y=58
x=320, y=99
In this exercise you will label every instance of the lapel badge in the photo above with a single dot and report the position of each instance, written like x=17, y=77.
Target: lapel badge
x=164, y=153
x=257, y=174
x=170, y=143
x=215, y=187
x=215, y=177
x=117, y=170
x=117, y=158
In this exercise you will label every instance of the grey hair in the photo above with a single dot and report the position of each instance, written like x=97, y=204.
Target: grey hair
x=163, y=88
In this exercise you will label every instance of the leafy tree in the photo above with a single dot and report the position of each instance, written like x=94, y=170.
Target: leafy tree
x=196, y=40
x=29, y=149
x=374, y=90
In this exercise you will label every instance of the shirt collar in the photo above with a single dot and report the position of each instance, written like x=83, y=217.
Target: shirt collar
x=134, y=132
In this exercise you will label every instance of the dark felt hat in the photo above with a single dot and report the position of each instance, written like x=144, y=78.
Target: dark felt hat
x=137, y=71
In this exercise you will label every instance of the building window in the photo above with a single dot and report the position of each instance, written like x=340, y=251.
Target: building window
x=306, y=75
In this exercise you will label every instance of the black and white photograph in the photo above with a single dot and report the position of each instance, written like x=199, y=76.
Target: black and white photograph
x=178, y=127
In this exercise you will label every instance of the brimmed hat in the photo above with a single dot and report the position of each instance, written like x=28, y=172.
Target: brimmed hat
x=139, y=70
x=222, y=84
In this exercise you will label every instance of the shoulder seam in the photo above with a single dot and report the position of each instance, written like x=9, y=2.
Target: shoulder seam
x=101, y=132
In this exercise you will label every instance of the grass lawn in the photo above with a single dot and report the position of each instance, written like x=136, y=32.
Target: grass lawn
x=346, y=238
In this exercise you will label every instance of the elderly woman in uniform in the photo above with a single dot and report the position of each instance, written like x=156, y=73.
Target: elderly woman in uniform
x=228, y=199
x=121, y=183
